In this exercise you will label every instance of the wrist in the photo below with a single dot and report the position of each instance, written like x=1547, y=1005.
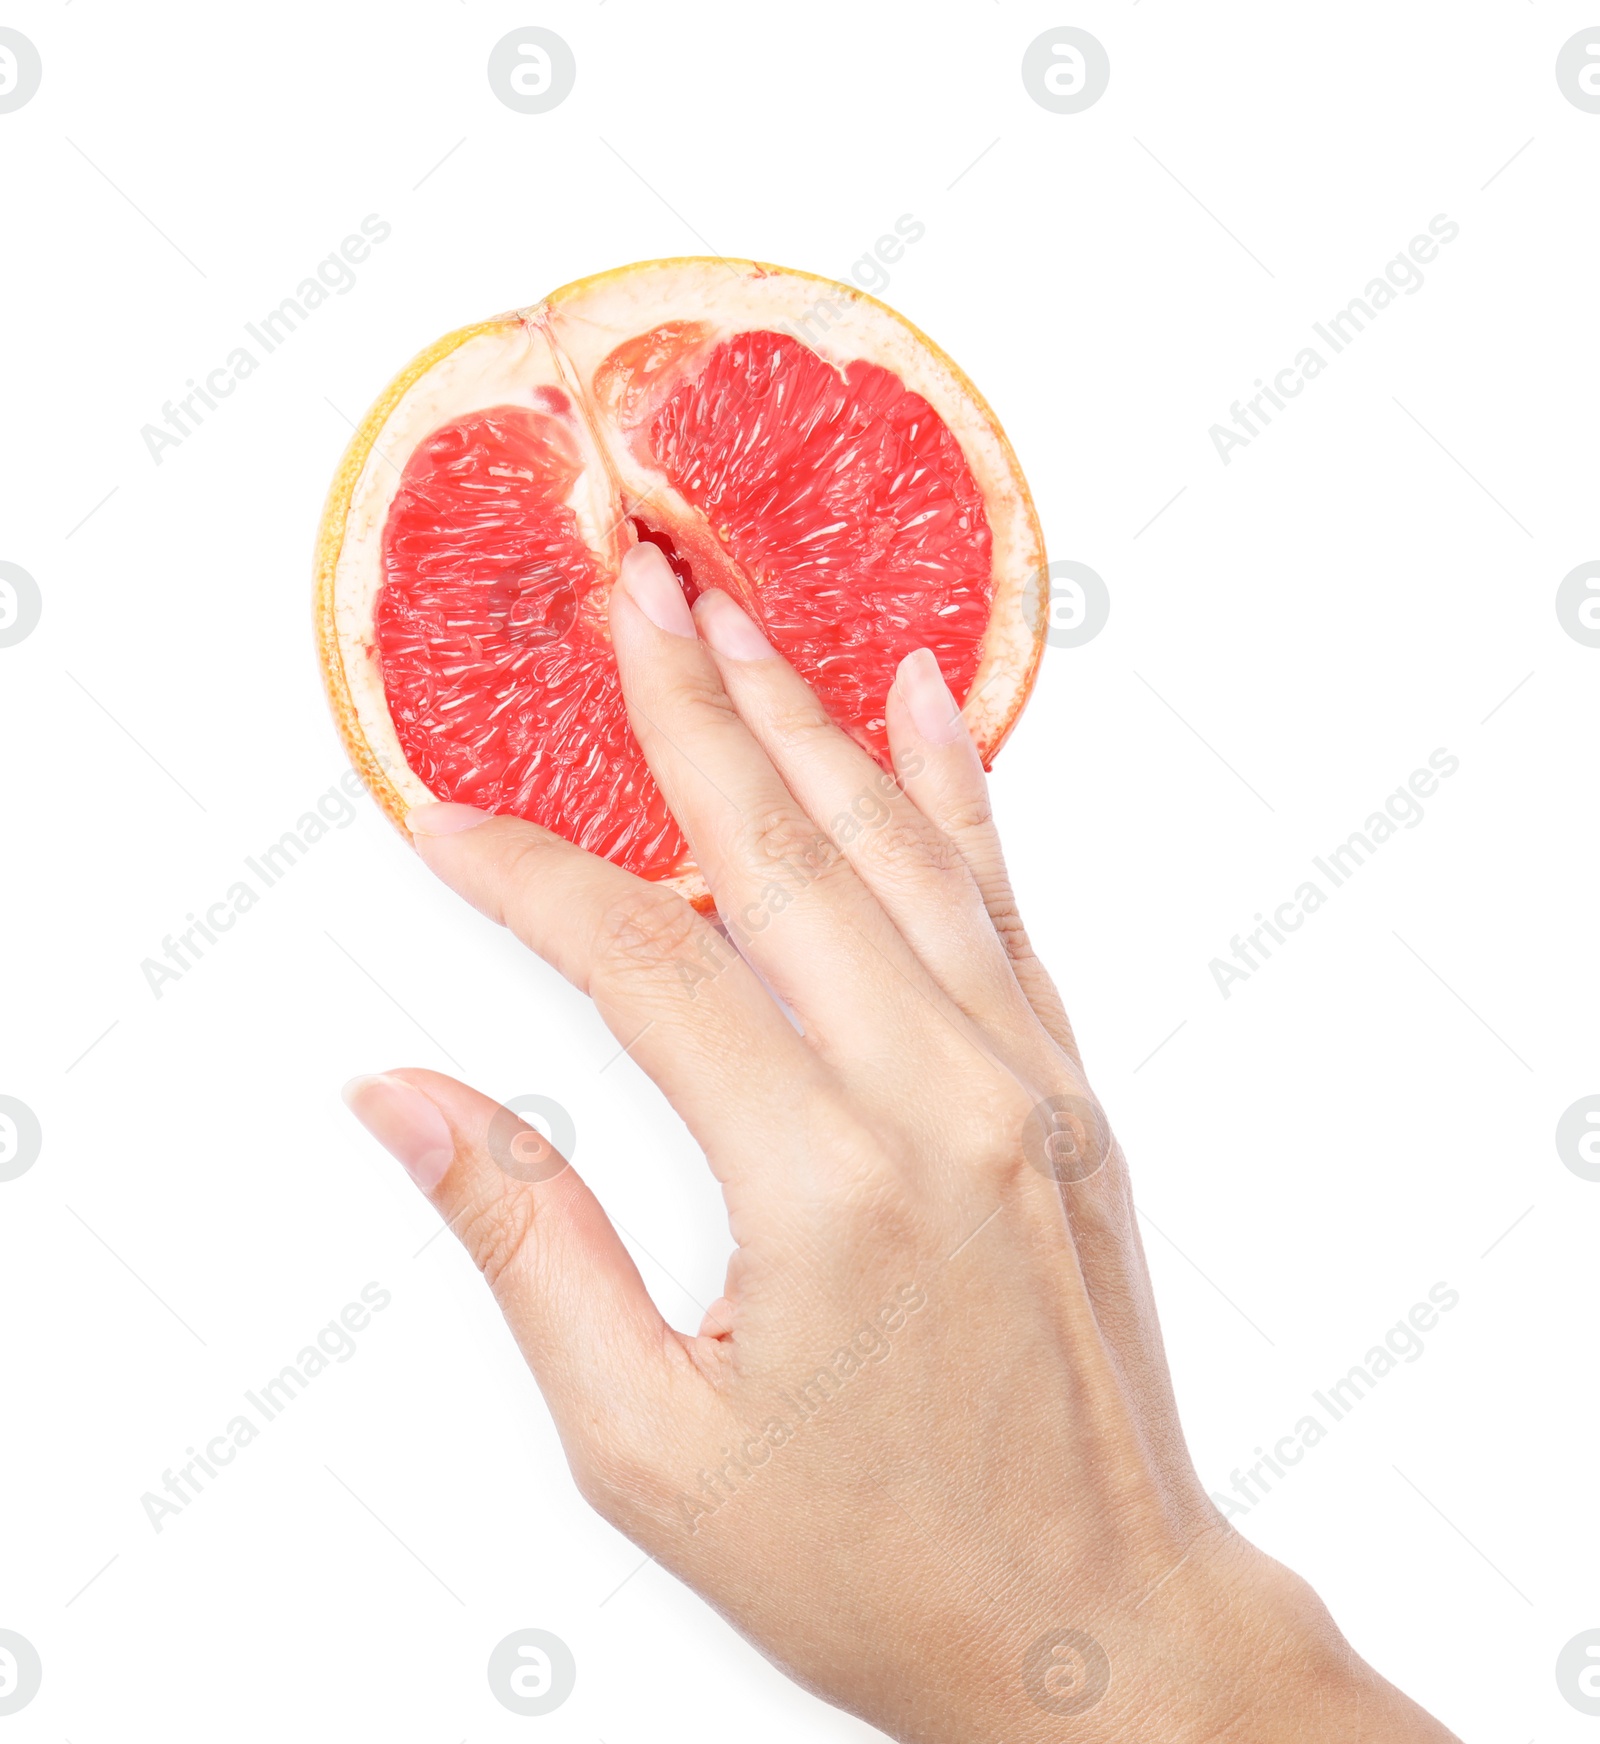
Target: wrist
x=1266, y=1664
x=1230, y=1648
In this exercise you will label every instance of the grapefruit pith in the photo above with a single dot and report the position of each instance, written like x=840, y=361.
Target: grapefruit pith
x=783, y=437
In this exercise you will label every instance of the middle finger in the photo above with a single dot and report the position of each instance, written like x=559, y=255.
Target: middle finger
x=788, y=897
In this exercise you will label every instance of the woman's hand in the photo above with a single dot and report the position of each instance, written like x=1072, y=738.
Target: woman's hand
x=924, y=1450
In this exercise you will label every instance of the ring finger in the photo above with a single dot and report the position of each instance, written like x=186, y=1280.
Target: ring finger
x=915, y=871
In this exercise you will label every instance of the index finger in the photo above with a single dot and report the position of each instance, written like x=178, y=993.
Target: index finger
x=672, y=990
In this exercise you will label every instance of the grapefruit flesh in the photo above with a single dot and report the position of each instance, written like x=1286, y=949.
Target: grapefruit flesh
x=497, y=668
x=847, y=485
x=850, y=500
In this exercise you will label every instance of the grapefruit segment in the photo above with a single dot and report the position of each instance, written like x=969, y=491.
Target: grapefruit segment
x=848, y=504
x=493, y=646
x=784, y=438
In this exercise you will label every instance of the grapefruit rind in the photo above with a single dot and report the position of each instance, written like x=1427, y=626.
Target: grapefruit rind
x=388, y=777
x=561, y=342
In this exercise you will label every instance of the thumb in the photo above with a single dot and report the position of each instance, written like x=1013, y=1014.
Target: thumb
x=568, y=1288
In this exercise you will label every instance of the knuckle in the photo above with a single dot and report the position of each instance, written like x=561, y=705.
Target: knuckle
x=967, y=816
x=1001, y=1129
x=1067, y=1137
x=903, y=844
x=797, y=725
x=645, y=930
x=702, y=691
x=498, y=1232
x=784, y=838
x=945, y=856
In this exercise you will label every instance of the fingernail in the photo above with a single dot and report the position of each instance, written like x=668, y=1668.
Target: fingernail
x=443, y=820
x=408, y=1126
x=654, y=589
x=933, y=709
x=729, y=628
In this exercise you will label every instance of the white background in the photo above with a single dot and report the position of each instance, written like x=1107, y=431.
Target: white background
x=1366, y=1116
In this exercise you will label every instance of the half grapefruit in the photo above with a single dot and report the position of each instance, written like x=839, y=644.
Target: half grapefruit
x=786, y=438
